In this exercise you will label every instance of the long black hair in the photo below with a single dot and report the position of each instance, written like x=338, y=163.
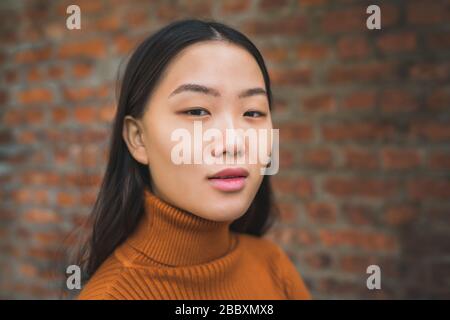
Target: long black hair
x=120, y=201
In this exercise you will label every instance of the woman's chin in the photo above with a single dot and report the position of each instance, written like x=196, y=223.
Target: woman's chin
x=223, y=213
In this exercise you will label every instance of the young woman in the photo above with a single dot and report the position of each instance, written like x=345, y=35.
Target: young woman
x=164, y=230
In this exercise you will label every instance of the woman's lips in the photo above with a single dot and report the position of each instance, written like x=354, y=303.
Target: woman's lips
x=230, y=179
x=228, y=184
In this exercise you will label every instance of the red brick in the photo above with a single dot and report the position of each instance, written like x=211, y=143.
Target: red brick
x=311, y=3
x=428, y=189
x=438, y=99
x=419, y=12
x=287, y=212
x=290, y=25
x=430, y=71
x=234, y=6
x=272, y=4
x=301, y=187
x=368, y=72
x=124, y=44
x=280, y=106
x=32, y=116
x=107, y=112
x=41, y=253
x=398, y=100
x=432, y=131
x=318, y=158
x=108, y=23
x=359, y=100
x=439, y=40
x=318, y=260
x=59, y=114
x=81, y=70
x=42, y=178
x=48, y=238
x=55, y=72
x=85, y=93
x=66, y=199
x=86, y=135
x=82, y=180
x=305, y=237
x=41, y=216
x=353, y=238
x=397, y=42
x=35, y=74
x=321, y=212
x=356, y=263
x=296, y=132
x=170, y=11
x=400, y=158
x=88, y=157
x=28, y=270
x=6, y=137
x=80, y=221
x=357, y=159
x=33, y=55
x=85, y=114
x=358, y=215
x=298, y=76
x=35, y=95
x=400, y=214
x=361, y=187
x=88, y=48
x=357, y=131
x=11, y=76
x=348, y=19
x=275, y=53
x=29, y=195
x=61, y=156
x=319, y=103
x=312, y=51
x=4, y=97
x=12, y=117
x=281, y=236
x=339, y=287
x=352, y=47
x=86, y=6
x=439, y=160
x=286, y=158
x=353, y=19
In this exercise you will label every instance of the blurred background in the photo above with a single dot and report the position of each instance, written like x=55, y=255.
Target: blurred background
x=363, y=117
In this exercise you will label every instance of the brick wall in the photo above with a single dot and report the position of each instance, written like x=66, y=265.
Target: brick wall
x=363, y=116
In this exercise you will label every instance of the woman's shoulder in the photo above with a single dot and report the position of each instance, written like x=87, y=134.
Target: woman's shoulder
x=99, y=285
x=266, y=250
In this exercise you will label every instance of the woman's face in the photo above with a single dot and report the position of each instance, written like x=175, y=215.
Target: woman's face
x=225, y=90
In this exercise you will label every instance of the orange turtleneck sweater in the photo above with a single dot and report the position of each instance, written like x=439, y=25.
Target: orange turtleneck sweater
x=174, y=254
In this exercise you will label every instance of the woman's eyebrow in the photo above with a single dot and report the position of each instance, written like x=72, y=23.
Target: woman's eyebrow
x=211, y=91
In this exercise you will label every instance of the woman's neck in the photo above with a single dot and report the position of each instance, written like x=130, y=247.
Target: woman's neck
x=171, y=236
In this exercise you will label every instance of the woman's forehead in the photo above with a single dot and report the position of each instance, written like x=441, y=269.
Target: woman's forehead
x=216, y=63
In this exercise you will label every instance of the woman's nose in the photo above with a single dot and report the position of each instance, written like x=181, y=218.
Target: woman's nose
x=231, y=147
x=232, y=142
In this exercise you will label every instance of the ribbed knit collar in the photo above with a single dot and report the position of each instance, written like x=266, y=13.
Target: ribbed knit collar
x=170, y=236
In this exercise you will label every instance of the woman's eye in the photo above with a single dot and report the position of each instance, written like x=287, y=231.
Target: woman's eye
x=254, y=114
x=198, y=112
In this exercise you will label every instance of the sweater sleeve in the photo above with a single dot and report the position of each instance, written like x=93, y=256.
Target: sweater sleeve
x=294, y=285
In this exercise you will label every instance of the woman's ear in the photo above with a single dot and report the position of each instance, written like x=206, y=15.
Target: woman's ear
x=134, y=138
